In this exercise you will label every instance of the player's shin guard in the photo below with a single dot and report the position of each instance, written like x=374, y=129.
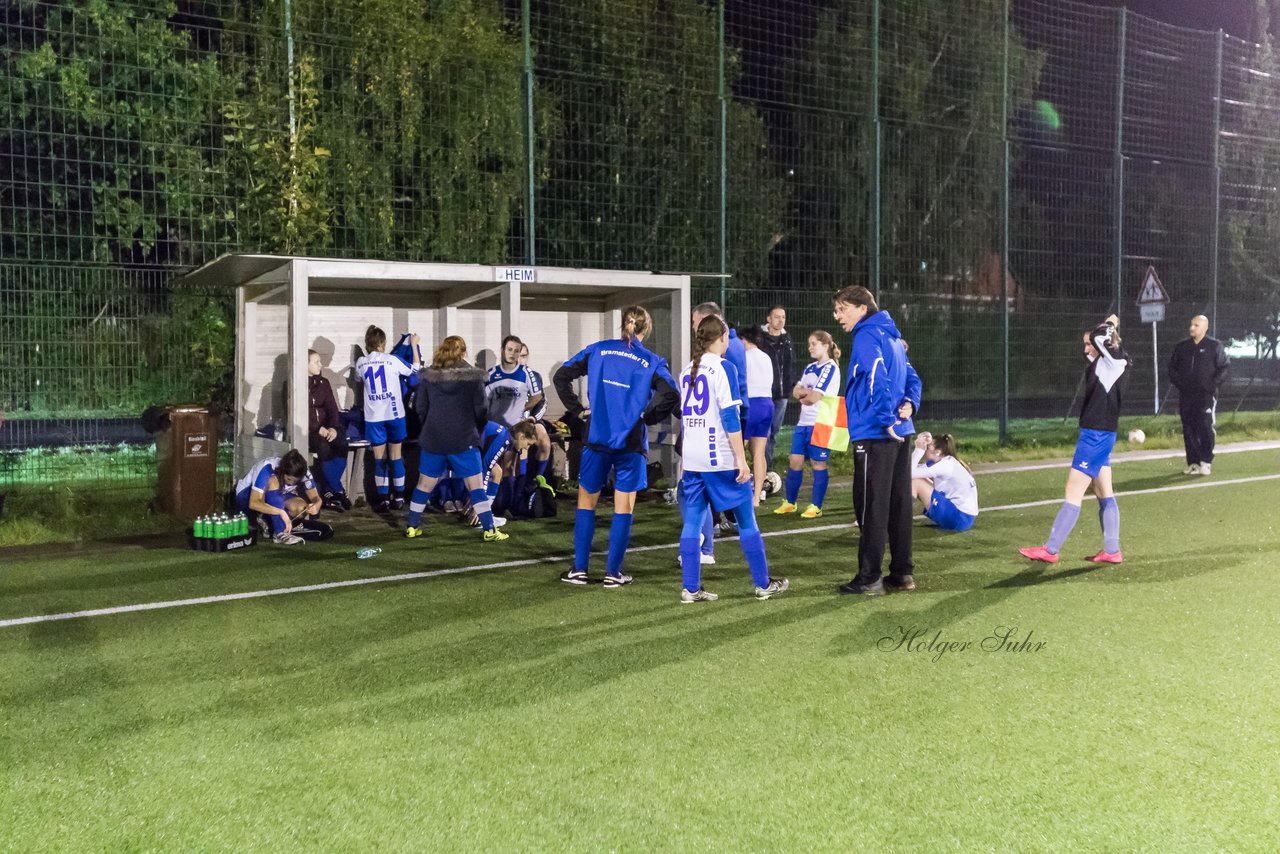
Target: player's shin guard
x=417, y=504
x=690, y=563
x=820, y=478
x=1109, y=518
x=381, y=476
x=619, y=539
x=333, y=469
x=276, y=500
x=397, y=476
x=584, y=529
x=484, y=509
x=1068, y=513
x=753, y=550
x=794, y=479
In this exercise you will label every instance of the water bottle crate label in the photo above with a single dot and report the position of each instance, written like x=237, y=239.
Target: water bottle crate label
x=221, y=544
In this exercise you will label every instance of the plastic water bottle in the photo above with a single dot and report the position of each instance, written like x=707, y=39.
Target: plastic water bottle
x=368, y=552
x=242, y=525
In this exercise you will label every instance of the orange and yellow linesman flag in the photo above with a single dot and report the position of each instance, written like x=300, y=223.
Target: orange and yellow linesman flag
x=831, y=431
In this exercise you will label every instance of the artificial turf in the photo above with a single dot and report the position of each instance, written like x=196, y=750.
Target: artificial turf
x=499, y=709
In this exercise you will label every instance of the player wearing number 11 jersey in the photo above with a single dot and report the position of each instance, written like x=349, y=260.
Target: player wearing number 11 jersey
x=384, y=415
x=716, y=473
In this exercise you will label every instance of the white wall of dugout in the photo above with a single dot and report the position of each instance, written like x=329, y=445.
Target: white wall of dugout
x=271, y=349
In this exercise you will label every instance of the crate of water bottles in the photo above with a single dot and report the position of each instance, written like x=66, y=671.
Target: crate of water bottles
x=222, y=533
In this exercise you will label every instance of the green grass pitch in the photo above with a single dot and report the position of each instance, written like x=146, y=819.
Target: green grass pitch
x=497, y=709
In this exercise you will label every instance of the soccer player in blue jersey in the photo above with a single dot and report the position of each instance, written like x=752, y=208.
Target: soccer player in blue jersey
x=451, y=405
x=270, y=490
x=820, y=378
x=716, y=473
x=628, y=389
x=384, y=414
x=1105, y=378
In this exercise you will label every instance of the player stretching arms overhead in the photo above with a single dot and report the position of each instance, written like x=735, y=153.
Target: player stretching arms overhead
x=1099, y=417
x=629, y=388
x=715, y=463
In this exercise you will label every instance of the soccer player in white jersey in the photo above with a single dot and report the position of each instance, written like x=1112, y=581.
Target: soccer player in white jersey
x=384, y=414
x=508, y=390
x=943, y=483
x=759, y=411
x=715, y=466
x=270, y=490
x=820, y=378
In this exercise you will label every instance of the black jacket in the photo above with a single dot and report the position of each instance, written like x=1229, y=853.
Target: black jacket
x=450, y=403
x=1197, y=370
x=1105, y=379
x=782, y=352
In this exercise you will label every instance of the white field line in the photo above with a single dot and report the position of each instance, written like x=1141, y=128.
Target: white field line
x=434, y=573
x=1127, y=456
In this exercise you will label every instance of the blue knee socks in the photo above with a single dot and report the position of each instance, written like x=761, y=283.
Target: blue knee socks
x=484, y=509
x=619, y=539
x=397, y=476
x=794, y=479
x=820, y=478
x=584, y=529
x=381, y=476
x=417, y=504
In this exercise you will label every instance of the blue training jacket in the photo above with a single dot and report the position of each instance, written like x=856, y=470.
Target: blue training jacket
x=736, y=355
x=879, y=379
x=629, y=387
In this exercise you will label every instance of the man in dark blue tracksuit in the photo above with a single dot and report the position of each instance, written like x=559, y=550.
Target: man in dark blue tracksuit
x=882, y=394
x=1197, y=368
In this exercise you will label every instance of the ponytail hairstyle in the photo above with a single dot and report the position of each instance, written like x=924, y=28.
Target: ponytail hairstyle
x=374, y=339
x=824, y=337
x=710, y=330
x=524, y=430
x=946, y=445
x=636, y=323
x=292, y=464
x=451, y=353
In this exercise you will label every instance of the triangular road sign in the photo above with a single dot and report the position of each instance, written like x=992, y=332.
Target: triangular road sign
x=1152, y=290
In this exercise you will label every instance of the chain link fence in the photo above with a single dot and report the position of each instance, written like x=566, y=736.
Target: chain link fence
x=1001, y=172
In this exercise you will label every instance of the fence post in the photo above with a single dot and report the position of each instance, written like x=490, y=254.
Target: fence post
x=876, y=144
x=1119, y=167
x=530, y=219
x=1216, y=237
x=724, y=155
x=293, y=110
x=1004, y=242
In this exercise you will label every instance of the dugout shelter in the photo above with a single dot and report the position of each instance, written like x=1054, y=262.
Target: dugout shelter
x=286, y=305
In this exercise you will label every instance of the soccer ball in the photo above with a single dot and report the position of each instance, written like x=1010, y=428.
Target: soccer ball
x=1136, y=436
x=772, y=483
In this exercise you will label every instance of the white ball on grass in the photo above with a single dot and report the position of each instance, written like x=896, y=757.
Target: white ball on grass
x=1136, y=436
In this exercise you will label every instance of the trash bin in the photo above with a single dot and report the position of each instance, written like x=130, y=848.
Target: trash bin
x=187, y=456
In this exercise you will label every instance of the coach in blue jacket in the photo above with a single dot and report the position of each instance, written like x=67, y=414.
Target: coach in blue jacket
x=881, y=395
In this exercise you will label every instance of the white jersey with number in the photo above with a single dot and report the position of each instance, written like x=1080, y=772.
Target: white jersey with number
x=823, y=376
x=381, y=373
x=705, y=443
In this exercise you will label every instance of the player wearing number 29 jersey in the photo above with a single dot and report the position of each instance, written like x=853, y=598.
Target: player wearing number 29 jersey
x=715, y=463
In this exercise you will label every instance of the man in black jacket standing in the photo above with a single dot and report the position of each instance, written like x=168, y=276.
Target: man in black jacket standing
x=1197, y=368
x=782, y=352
